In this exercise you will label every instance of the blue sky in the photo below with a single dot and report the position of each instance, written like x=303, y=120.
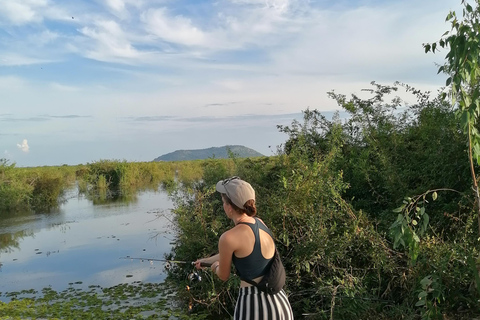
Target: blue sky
x=131, y=80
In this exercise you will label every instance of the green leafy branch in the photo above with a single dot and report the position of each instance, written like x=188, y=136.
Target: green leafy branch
x=462, y=66
x=412, y=223
x=430, y=296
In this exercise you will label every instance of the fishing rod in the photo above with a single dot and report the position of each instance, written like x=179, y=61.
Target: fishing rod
x=202, y=264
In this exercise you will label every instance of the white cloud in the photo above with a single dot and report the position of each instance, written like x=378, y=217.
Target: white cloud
x=24, y=146
x=20, y=12
x=61, y=87
x=14, y=59
x=11, y=83
x=175, y=29
x=116, y=5
x=110, y=42
x=43, y=38
x=231, y=84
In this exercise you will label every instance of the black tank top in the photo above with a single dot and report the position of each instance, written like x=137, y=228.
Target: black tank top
x=253, y=265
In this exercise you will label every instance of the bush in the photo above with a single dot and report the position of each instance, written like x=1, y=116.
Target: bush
x=329, y=199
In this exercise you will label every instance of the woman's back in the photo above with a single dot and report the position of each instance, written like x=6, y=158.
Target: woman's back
x=255, y=251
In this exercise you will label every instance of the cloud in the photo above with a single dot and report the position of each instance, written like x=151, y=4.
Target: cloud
x=14, y=59
x=111, y=43
x=21, y=12
x=69, y=116
x=24, y=146
x=11, y=83
x=175, y=29
x=153, y=118
x=116, y=5
x=43, y=38
x=61, y=87
x=26, y=119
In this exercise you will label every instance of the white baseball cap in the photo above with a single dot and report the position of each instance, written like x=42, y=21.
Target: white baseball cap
x=237, y=190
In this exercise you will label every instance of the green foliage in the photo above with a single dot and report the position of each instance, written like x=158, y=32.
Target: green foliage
x=34, y=189
x=113, y=179
x=317, y=233
x=430, y=294
x=392, y=149
x=328, y=199
x=411, y=224
x=462, y=67
x=124, y=301
x=48, y=188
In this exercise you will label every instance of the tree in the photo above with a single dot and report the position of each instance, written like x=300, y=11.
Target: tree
x=462, y=66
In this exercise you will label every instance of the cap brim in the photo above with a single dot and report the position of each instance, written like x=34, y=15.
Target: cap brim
x=221, y=187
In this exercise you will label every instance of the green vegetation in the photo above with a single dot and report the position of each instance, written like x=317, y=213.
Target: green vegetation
x=43, y=188
x=373, y=214
x=125, y=301
x=33, y=188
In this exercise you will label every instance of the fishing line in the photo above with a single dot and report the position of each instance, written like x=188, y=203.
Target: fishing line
x=202, y=264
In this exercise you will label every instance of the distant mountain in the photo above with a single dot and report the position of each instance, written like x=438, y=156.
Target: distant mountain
x=215, y=152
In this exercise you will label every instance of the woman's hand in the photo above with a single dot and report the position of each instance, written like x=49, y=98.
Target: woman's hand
x=198, y=263
x=206, y=262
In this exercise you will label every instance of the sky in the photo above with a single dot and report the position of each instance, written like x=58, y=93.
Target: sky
x=89, y=80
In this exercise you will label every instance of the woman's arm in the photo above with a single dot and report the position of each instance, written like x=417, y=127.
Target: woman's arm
x=226, y=247
x=210, y=260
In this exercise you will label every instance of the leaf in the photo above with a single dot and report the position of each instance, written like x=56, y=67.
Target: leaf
x=414, y=222
x=420, y=303
x=434, y=196
x=465, y=118
x=399, y=209
x=426, y=281
x=306, y=265
x=422, y=294
x=427, y=48
x=416, y=238
x=425, y=221
x=449, y=80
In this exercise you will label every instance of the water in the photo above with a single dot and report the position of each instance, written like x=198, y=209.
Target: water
x=82, y=243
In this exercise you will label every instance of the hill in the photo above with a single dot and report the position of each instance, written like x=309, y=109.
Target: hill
x=214, y=152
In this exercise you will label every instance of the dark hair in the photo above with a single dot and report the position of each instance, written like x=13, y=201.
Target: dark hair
x=249, y=206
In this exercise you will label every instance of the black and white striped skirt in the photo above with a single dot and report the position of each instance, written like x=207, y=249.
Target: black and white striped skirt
x=257, y=305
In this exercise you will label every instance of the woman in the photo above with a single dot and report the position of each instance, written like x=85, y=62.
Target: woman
x=250, y=246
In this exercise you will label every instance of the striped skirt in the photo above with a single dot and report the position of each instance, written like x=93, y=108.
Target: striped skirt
x=257, y=305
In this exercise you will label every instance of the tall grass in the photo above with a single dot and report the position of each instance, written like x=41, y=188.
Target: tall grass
x=42, y=188
x=35, y=189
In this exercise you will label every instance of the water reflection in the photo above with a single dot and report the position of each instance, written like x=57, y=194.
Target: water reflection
x=11, y=241
x=83, y=241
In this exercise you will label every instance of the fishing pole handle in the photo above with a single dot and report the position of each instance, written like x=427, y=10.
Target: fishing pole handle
x=205, y=264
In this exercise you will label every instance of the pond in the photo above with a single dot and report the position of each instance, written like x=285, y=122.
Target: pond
x=83, y=243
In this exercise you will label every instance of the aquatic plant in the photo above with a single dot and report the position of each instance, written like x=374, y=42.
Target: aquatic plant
x=124, y=301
